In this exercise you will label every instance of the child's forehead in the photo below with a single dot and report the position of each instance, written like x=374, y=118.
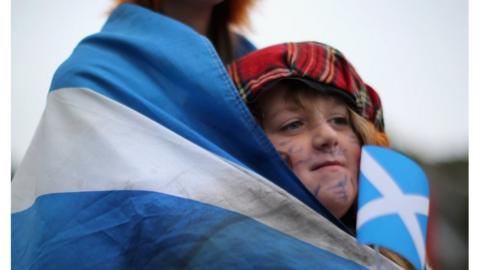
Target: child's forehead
x=302, y=94
x=283, y=97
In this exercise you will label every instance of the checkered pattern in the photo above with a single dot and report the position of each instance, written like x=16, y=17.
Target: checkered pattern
x=309, y=61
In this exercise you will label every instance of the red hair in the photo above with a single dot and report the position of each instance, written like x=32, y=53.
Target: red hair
x=229, y=13
x=236, y=16
x=238, y=11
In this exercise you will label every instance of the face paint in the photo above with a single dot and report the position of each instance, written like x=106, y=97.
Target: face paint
x=340, y=189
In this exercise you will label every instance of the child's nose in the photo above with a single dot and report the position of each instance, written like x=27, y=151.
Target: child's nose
x=324, y=136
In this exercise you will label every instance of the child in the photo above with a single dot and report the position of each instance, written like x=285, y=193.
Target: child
x=317, y=112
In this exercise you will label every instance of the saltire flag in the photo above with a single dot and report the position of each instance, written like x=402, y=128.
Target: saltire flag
x=147, y=158
x=393, y=203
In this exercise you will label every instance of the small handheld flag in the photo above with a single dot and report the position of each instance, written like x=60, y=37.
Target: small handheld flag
x=393, y=203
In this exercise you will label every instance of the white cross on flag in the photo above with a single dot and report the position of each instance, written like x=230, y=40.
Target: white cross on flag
x=393, y=203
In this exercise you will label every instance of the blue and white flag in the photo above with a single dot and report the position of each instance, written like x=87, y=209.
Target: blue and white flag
x=393, y=203
x=147, y=158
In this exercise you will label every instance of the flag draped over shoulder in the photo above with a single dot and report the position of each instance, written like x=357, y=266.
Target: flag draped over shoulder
x=147, y=158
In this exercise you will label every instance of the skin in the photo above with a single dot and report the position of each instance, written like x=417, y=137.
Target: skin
x=195, y=13
x=317, y=141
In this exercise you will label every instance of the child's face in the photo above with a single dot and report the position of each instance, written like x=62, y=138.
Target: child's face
x=317, y=141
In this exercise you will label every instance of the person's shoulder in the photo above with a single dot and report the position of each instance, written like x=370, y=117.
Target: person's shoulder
x=241, y=45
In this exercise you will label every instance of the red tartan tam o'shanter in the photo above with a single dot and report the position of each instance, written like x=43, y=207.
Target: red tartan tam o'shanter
x=318, y=65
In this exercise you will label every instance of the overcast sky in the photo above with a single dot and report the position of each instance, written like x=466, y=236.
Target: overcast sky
x=413, y=52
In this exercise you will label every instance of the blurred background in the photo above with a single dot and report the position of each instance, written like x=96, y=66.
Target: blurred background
x=414, y=53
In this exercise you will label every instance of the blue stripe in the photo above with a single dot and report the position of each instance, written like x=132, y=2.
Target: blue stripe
x=167, y=72
x=374, y=232
x=149, y=230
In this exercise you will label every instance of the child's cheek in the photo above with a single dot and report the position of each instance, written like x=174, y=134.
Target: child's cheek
x=282, y=147
x=291, y=153
x=353, y=139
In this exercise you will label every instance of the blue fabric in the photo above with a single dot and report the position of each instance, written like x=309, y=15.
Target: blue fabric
x=169, y=73
x=149, y=230
x=242, y=45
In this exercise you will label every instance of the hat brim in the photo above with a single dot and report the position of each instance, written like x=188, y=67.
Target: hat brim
x=322, y=87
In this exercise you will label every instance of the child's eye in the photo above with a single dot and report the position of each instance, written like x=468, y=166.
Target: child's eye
x=292, y=126
x=340, y=120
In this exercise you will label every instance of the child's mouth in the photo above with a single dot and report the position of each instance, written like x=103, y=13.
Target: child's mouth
x=326, y=164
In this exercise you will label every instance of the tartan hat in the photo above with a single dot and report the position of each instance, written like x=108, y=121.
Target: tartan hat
x=318, y=65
